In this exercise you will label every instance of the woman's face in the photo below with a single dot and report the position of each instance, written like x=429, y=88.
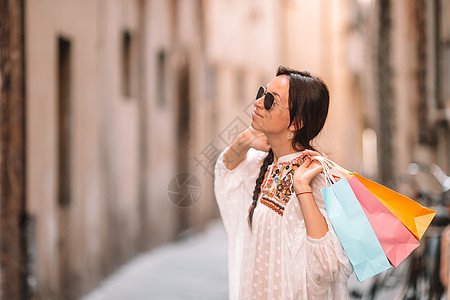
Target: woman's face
x=276, y=120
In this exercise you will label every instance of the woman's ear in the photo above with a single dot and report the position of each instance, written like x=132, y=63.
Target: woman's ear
x=293, y=127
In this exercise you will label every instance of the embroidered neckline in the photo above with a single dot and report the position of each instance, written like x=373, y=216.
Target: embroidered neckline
x=278, y=186
x=288, y=158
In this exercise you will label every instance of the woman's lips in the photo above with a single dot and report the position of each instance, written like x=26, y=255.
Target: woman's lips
x=256, y=114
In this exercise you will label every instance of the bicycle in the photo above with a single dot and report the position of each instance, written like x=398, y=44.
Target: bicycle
x=422, y=267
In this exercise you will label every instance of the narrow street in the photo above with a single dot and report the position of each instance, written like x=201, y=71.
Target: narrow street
x=193, y=268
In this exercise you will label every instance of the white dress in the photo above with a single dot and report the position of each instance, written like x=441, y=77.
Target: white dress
x=276, y=259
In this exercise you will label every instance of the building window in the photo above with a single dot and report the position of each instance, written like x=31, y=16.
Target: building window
x=128, y=66
x=161, y=78
x=64, y=119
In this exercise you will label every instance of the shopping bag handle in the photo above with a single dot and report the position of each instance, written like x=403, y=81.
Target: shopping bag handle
x=327, y=169
x=343, y=172
x=329, y=165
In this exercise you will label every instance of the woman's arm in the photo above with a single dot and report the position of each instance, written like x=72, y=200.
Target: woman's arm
x=316, y=225
x=325, y=259
x=236, y=153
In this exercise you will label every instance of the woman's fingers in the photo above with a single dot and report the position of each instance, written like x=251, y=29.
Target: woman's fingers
x=311, y=167
x=310, y=164
x=266, y=147
x=306, y=163
x=307, y=171
x=316, y=167
x=256, y=139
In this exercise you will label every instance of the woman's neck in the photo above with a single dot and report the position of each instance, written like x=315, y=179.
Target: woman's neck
x=280, y=147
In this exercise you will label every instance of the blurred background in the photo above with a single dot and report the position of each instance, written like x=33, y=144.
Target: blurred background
x=105, y=102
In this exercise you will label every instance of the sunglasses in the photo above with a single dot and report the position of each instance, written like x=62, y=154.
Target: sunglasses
x=269, y=98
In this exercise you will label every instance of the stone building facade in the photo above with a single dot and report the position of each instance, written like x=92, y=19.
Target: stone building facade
x=114, y=111
x=409, y=55
x=123, y=96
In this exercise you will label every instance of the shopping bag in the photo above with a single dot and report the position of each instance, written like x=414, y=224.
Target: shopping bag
x=354, y=230
x=413, y=215
x=395, y=239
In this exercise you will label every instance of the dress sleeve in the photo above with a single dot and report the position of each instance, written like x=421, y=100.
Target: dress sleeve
x=234, y=188
x=326, y=261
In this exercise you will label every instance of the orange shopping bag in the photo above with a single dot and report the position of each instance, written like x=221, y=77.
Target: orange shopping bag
x=413, y=215
x=397, y=241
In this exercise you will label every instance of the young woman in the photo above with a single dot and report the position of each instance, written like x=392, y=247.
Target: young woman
x=281, y=243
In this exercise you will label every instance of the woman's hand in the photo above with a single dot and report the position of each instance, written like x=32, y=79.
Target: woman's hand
x=237, y=152
x=305, y=174
x=255, y=139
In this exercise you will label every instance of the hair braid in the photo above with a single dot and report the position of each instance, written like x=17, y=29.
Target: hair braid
x=262, y=171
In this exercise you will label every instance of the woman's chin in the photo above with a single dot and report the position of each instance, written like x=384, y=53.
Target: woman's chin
x=254, y=125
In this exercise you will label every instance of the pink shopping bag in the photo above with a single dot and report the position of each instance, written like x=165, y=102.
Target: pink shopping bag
x=395, y=239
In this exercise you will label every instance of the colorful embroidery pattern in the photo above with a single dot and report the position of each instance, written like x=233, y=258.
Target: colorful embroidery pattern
x=279, y=209
x=278, y=188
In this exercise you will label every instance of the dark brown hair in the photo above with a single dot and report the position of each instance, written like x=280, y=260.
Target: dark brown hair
x=309, y=101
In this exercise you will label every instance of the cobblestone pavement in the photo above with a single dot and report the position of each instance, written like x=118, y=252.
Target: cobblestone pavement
x=192, y=268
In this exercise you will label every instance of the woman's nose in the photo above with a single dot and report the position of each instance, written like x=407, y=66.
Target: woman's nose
x=259, y=102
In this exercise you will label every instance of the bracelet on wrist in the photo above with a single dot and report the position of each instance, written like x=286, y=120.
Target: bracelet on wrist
x=302, y=193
